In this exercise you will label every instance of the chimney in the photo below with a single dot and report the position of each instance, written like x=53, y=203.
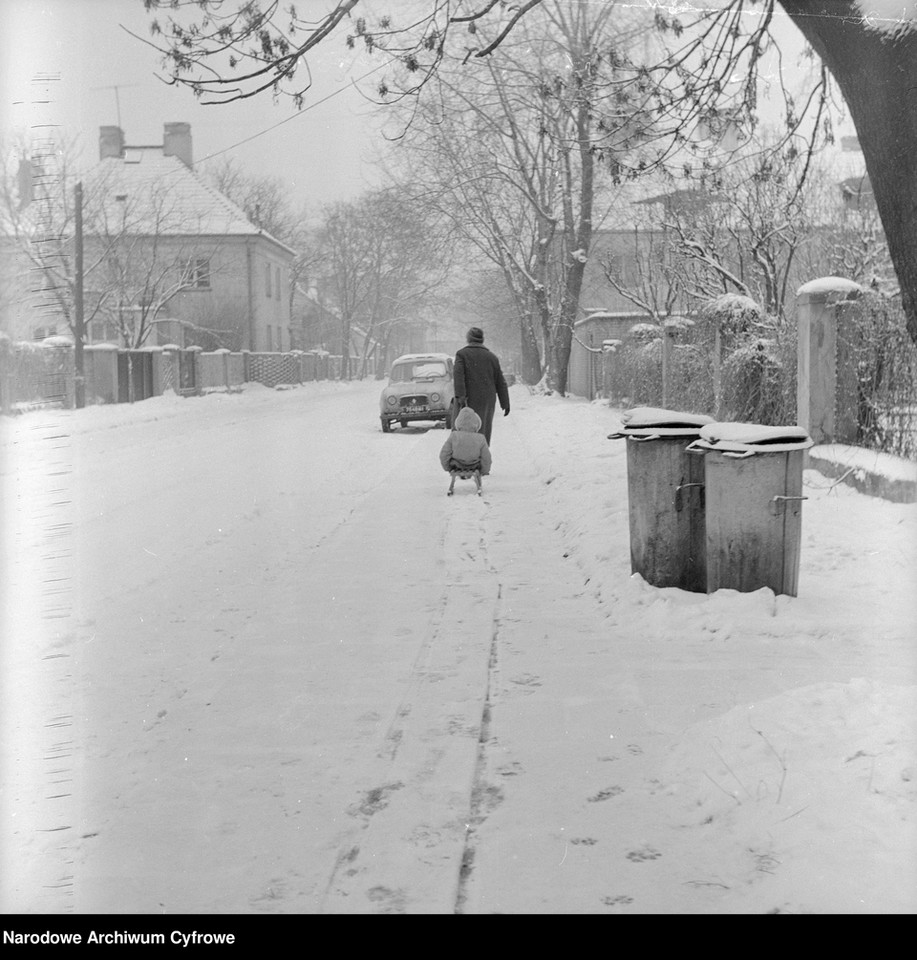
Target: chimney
x=111, y=142
x=176, y=142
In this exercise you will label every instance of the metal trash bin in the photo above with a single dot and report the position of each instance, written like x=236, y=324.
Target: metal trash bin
x=665, y=493
x=753, y=489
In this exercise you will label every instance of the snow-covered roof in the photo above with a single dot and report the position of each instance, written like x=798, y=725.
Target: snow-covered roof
x=840, y=287
x=414, y=357
x=159, y=195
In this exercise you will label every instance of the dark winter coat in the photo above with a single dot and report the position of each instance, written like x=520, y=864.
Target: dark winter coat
x=479, y=382
x=465, y=446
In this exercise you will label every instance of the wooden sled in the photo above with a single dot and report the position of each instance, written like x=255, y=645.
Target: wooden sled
x=464, y=473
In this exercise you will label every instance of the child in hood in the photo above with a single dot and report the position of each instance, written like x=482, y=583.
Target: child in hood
x=465, y=447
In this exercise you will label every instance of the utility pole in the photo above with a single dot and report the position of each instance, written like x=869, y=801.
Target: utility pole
x=79, y=378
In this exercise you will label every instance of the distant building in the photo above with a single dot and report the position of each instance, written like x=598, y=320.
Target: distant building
x=164, y=247
x=231, y=278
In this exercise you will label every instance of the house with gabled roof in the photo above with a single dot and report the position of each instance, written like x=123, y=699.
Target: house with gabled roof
x=209, y=274
x=168, y=258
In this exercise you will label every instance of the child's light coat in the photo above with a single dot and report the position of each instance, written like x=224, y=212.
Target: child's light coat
x=465, y=446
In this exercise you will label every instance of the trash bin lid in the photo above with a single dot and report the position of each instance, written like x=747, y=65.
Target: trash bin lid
x=659, y=422
x=750, y=438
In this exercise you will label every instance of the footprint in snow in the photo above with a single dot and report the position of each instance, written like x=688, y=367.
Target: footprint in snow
x=644, y=853
x=606, y=794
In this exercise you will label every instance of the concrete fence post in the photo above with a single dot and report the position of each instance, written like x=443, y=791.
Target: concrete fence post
x=821, y=307
x=171, y=360
x=157, y=358
x=6, y=372
x=226, y=376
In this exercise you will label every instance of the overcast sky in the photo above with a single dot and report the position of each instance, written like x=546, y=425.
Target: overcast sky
x=323, y=153
x=319, y=152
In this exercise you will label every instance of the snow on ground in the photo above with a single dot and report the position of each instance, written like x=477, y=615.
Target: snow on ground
x=873, y=461
x=275, y=670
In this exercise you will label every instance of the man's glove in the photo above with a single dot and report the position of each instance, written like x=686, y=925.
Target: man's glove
x=506, y=411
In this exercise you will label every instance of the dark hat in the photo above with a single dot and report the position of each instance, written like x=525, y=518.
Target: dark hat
x=475, y=335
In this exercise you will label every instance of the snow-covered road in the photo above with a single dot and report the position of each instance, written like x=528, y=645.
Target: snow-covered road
x=265, y=665
x=286, y=638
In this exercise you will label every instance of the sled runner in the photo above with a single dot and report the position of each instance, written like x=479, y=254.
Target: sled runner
x=464, y=473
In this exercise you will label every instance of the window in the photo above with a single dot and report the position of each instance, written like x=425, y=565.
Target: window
x=197, y=274
x=102, y=331
x=270, y=339
x=267, y=279
x=424, y=370
x=614, y=264
x=277, y=282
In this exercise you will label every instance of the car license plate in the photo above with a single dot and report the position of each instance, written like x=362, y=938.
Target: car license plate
x=413, y=409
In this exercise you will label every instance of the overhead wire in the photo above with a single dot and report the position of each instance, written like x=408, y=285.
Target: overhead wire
x=294, y=116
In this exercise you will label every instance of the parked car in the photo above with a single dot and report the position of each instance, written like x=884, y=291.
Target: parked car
x=419, y=388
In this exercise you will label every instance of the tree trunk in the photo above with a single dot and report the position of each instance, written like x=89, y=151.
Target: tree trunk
x=531, y=358
x=345, y=348
x=549, y=373
x=580, y=231
x=877, y=74
x=382, y=366
x=563, y=335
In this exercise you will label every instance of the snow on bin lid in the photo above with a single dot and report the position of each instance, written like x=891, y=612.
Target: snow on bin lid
x=658, y=422
x=752, y=438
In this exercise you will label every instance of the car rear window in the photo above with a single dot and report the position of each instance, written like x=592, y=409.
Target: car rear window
x=422, y=370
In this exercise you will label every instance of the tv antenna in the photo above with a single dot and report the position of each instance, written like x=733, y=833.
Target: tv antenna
x=116, y=87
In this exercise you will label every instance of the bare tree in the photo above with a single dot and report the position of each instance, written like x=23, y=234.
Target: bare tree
x=225, y=55
x=741, y=230
x=449, y=167
x=140, y=247
x=266, y=202
x=757, y=227
x=381, y=258
x=875, y=66
x=512, y=154
x=147, y=251
x=37, y=207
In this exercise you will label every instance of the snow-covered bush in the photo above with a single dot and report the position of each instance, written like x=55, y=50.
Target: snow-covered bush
x=677, y=327
x=644, y=332
x=754, y=384
x=734, y=315
x=878, y=364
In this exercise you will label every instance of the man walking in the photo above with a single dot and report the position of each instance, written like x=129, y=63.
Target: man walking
x=479, y=381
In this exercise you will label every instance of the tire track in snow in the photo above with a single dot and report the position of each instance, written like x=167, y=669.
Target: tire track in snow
x=482, y=796
x=405, y=854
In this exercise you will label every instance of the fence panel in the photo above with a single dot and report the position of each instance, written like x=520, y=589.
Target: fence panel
x=37, y=375
x=877, y=379
x=755, y=380
x=135, y=375
x=188, y=372
x=100, y=367
x=212, y=371
x=272, y=369
x=236, y=370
